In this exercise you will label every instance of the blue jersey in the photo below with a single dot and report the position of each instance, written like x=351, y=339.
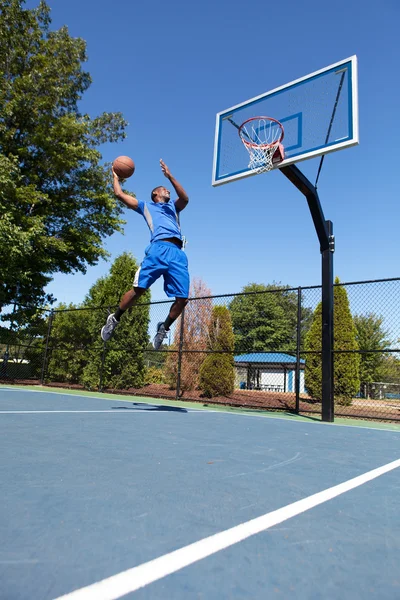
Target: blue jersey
x=162, y=219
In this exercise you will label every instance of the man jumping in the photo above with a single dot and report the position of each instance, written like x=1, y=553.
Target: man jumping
x=164, y=256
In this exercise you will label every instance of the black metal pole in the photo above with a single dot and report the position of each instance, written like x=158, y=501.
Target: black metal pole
x=7, y=353
x=181, y=334
x=327, y=332
x=44, y=364
x=326, y=240
x=300, y=181
x=103, y=358
x=298, y=342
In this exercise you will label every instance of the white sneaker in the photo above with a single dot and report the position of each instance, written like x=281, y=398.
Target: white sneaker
x=109, y=327
x=160, y=336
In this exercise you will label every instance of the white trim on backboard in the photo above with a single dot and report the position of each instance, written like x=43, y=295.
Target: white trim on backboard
x=353, y=142
x=288, y=161
x=216, y=138
x=355, y=97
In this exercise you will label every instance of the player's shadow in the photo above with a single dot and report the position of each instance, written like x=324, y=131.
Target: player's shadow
x=147, y=407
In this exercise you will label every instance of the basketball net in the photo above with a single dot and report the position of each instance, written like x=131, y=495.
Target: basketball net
x=262, y=136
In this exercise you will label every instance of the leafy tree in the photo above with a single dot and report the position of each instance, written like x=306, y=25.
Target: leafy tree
x=78, y=353
x=69, y=340
x=22, y=344
x=217, y=373
x=56, y=201
x=371, y=337
x=265, y=318
x=346, y=364
x=124, y=357
x=390, y=369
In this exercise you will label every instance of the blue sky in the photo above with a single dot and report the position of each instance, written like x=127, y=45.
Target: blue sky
x=169, y=67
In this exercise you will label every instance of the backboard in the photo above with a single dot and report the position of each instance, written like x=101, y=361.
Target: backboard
x=319, y=114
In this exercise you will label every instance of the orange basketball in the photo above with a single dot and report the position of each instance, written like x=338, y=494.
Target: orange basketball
x=124, y=167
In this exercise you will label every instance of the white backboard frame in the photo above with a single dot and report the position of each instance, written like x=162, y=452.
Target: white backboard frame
x=340, y=145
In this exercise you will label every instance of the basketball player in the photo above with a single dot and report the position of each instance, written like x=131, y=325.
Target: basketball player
x=164, y=256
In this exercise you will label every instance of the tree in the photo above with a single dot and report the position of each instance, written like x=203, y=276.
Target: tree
x=70, y=339
x=123, y=365
x=391, y=369
x=217, y=373
x=346, y=364
x=56, y=200
x=264, y=318
x=371, y=338
x=79, y=355
x=196, y=321
x=22, y=346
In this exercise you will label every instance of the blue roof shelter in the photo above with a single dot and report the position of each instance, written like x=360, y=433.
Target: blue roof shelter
x=268, y=371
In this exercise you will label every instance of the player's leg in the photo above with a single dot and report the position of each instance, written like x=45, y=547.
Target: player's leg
x=127, y=300
x=163, y=327
x=176, y=283
x=148, y=272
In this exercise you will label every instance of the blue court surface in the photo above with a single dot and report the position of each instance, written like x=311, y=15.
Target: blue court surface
x=107, y=498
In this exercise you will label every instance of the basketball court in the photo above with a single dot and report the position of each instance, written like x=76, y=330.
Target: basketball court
x=105, y=498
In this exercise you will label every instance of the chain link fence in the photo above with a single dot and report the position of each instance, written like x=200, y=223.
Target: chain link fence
x=260, y=350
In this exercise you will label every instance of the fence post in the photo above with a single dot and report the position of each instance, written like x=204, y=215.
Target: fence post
x=328, y=409
x=178, y=378
x=103, y=358
x=44, y=365
x=6, y=355
x=298, y=343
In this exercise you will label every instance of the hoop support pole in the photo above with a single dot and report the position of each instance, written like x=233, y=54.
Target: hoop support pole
x=324, y=231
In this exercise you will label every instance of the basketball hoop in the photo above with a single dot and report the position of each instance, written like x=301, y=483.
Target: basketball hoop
x=262, y=136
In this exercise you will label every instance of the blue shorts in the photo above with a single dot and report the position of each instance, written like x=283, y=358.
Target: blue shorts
x=166, y=259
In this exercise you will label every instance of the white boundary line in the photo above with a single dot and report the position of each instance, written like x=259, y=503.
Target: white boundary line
x=133, y=579
x=39, y=412
x=159, y=402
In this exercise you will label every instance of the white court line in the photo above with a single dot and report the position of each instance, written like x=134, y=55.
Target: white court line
x=205, y=410
x=133, y=579
x=103, y=399
x=123, y=411
x=39, y=412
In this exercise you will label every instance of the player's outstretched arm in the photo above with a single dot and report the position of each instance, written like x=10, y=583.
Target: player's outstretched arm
x=183, y=198
x=128, y=200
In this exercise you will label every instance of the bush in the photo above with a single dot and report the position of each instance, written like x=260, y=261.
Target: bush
x=346, y=365
x=154, y=375
x=217, y=372
x=217, y=376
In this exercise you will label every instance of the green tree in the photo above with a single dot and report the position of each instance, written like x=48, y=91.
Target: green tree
x=56, y=201
x=77, y=351
x=390, y=369
x=70, y=339
x=346, y=364
x=217, y=372
x=124, y=364
x=371, y=337
x=265, y=318
x=22, y=344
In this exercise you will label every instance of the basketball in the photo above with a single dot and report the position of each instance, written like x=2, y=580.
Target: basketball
x=124, y=167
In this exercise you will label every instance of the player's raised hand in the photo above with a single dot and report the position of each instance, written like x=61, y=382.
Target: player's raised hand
x=165, y=169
